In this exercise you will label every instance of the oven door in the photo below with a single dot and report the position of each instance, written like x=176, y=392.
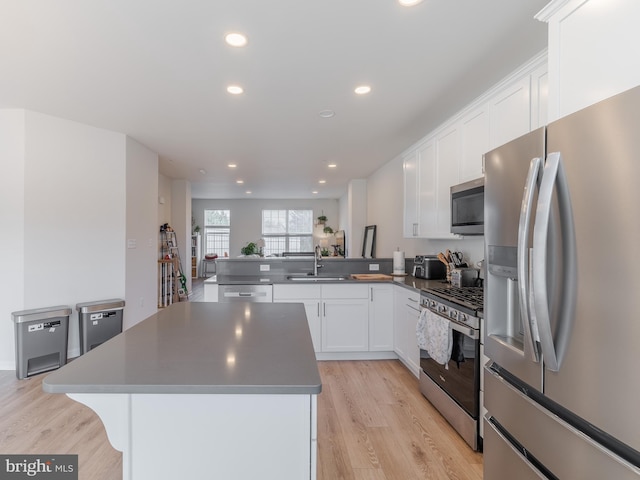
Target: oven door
x=461, y=380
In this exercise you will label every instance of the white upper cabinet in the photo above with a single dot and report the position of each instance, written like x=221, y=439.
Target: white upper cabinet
x=593, y=50
x=453, y=153
x=411, y=190
x=447, y=174
x=428, y=191
x=509, y=113
x=539, y=97
x=474, y=131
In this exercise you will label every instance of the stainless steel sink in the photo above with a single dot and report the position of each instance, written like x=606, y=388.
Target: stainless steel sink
x=312, y=278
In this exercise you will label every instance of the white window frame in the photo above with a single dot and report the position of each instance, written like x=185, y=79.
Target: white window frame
x=217, y=236
x=286, y=240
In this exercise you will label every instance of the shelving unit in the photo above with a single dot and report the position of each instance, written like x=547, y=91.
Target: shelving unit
x=196, y=250
x=171, y=280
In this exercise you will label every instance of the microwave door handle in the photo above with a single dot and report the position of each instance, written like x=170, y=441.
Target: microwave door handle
x=554, y=176
x=526, y=312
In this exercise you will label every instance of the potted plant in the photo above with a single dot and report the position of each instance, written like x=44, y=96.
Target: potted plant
x=328, y=230
x=322, y=219
x=250, y=249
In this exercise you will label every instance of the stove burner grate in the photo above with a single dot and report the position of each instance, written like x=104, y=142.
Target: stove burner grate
x=471, y=297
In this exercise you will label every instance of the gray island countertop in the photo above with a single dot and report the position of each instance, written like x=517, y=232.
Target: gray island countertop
x=200, y=347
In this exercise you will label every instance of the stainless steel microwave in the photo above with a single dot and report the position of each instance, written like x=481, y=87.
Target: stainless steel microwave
x=467, y=208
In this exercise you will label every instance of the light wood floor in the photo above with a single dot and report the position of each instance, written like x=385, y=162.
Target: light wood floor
x=373, y=424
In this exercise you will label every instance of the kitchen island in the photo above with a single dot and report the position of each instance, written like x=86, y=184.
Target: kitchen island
x=205, y=390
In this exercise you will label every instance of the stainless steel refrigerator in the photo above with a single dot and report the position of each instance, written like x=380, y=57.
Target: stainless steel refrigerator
x=562, y=298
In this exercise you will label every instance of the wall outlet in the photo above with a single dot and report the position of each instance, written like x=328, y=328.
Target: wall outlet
x=265, y=268
x=131, y=243
x=374, y=267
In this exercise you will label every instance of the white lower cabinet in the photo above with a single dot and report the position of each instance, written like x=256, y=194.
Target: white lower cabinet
x=381, y=317
x=407, y=313
x=311, y=296
x=345, y=318
x=338, y=314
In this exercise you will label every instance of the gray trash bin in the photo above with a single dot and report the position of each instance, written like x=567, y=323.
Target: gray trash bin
x=99, y=321
x=41, y=339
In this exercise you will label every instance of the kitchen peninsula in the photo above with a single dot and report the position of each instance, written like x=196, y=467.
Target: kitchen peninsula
x=205, y=390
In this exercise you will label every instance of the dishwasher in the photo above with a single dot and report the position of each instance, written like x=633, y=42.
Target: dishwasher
x=245, y=293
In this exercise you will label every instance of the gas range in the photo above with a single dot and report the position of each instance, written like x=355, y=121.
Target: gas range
x=461, y=304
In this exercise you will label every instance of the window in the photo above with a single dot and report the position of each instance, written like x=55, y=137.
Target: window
x=287, y=231
x=217, y=225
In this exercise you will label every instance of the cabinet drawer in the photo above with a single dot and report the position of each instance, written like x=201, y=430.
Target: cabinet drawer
x=341, y=290
x=295, y=292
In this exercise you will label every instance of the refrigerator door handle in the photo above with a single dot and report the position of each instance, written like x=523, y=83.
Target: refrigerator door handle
x=526, y=312
x=554, y=349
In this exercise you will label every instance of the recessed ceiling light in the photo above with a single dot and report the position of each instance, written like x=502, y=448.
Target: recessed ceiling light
x=362, y=89
x=232, y=165
x=239, y=182
x=315, y=192
x=234, y=89
x=322, y=181
x=326, y=113
x=235, y=39
x=248, y=192
x=203, y=171
x=332, y=165
x=409, y=3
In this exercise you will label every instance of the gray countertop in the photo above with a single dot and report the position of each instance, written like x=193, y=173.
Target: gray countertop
x=407, y=281
x=200, y=347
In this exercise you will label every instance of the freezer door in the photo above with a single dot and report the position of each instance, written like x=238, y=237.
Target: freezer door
x=598, y=376
x=502, y=461
x=555, y=445
x=508, y=339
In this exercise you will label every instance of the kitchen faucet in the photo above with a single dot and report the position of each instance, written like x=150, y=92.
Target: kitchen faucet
x=317, y=258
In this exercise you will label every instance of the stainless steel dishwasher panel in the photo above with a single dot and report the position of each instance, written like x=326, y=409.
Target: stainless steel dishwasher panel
x=245, y=293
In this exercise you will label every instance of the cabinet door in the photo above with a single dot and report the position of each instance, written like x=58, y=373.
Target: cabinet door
x=312, y=308
x=509, y=113
x=447, y=175
x=380, y=318
x=539, y=97
x=411, y=189
x=474, y=129
x=399, y=335
x=427, y=189
x=592, y=44
x=411, y=316
x=309, y=295
x=345, y=325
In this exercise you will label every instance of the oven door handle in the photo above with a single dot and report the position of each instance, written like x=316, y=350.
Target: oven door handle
x=466, y=331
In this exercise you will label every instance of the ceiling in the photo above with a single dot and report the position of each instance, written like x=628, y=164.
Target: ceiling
x=157, y=70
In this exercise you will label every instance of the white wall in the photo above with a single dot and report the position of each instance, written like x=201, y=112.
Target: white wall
x=75, y=204
x=12, y=142
x=164, y=195
x=72, y=196
x=181, y=223
x=246, y=215
x=142, y=233
x=357, y=217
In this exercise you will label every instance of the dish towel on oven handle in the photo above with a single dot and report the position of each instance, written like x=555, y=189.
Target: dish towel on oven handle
x=434, y=336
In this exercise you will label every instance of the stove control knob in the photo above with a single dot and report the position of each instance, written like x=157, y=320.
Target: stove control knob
x=442, y=309
x=453, y=314
x=464, y=317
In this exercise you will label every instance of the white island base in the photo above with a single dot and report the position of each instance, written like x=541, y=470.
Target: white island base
x=210, y=436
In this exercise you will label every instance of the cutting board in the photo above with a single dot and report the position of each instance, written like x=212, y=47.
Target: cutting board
x=371, y=276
